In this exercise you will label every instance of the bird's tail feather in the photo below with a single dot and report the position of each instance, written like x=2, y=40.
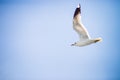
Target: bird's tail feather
x=98, y=40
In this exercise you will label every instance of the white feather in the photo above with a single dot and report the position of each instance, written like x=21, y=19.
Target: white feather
x=81, y=30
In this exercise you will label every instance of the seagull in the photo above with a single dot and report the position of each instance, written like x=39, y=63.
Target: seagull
x=85, y=38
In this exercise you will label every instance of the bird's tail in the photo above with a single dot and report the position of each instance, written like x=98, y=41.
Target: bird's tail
x=98, y=39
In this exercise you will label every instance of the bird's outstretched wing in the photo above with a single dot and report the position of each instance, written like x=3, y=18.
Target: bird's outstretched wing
x=78, y=26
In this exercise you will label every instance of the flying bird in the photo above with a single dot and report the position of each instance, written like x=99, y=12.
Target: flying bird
x=85, y=38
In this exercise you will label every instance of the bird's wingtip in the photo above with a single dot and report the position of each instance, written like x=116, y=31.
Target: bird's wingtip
x=79, y=5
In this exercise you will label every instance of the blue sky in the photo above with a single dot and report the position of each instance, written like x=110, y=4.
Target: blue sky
x=36, y=36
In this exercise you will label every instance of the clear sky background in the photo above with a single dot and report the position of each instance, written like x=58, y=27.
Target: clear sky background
x=35, y=39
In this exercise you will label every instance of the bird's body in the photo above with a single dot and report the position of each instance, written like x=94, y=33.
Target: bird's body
x=81, y=30
x=86, y=42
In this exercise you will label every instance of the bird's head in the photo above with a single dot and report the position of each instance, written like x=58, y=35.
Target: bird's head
x=74, y=44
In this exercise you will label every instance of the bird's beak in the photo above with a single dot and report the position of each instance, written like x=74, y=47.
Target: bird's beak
x=72, y=44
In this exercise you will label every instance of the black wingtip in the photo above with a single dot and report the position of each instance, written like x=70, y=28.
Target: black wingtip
x=78, y=10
